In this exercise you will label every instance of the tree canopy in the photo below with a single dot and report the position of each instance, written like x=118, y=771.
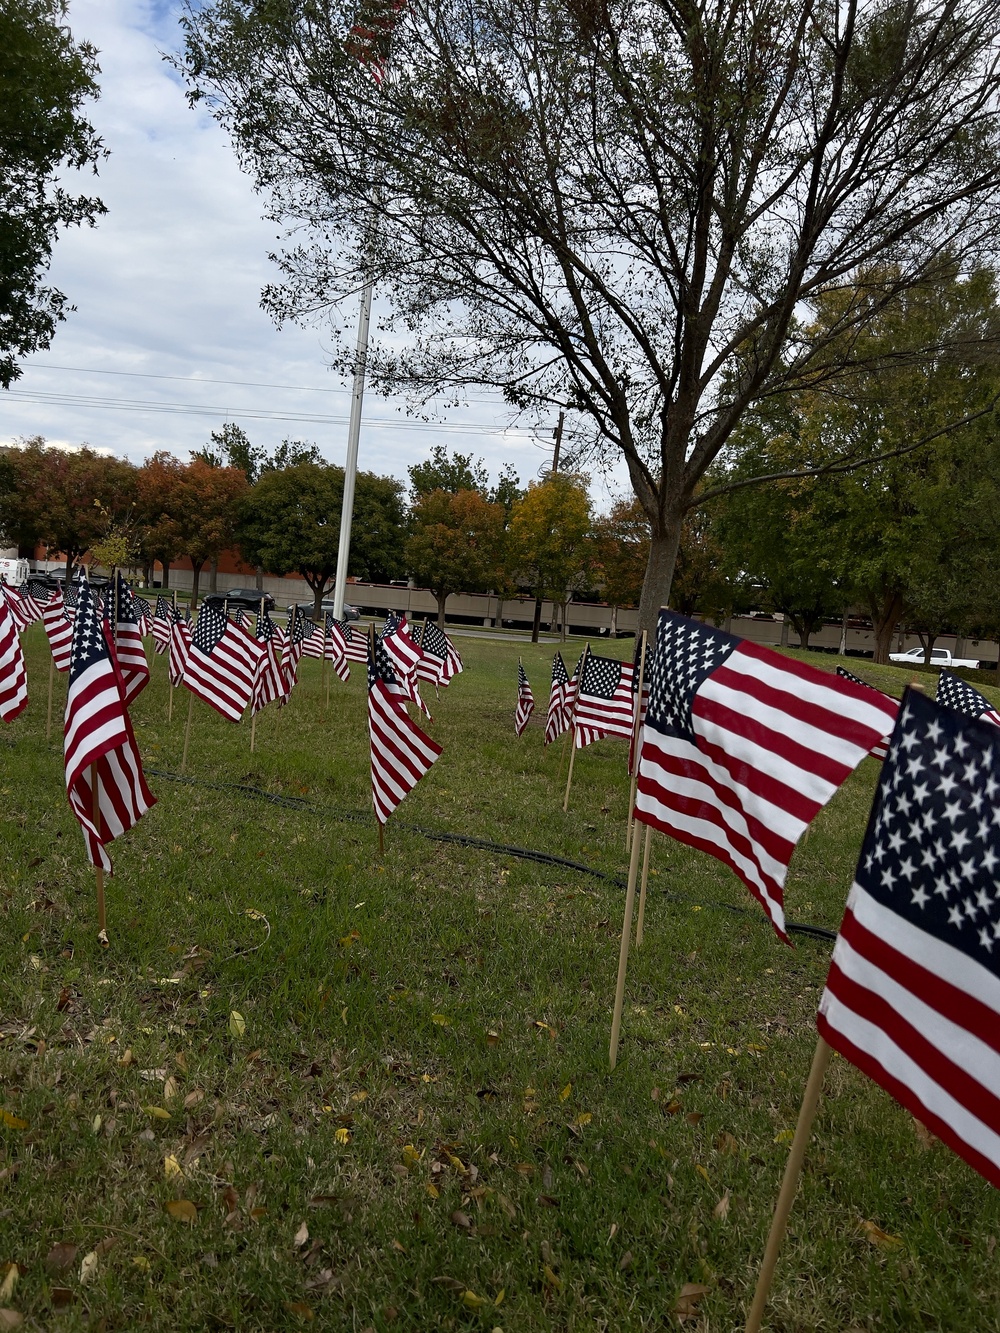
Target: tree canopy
x=455, y=543
x=549, y=538
x=46, y=77
x=628, y=209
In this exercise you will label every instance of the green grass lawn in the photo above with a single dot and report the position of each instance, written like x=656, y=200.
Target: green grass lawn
x=304, y=1086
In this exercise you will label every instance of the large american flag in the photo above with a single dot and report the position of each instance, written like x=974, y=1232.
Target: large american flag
x=14, y=602
x=222, y=664
x=59, y=629
x=954, y=692
x=557, y=718
x=404, y=651
x=604, y=701
x=123, y=622
x=525, y=700
x=269, y=685
x=13, y=677
x=913, y=993
x=98, y=737
x=881, y=748
x=400, y=752
x=742, y=747
x=163, y=618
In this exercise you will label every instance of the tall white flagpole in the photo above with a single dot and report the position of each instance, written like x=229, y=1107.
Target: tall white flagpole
x=351, y=465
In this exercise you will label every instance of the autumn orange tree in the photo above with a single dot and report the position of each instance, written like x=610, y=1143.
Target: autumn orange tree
x=158, y=483
x=204, y=508
x=550, y=541
x=456, y=543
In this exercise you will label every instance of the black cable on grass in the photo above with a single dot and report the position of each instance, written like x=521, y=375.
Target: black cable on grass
x=479, y=844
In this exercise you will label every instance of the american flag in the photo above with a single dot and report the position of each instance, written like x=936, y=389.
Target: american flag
x=38, y=591
x=400, y=752
x=20, y=614
x=13, y=677
x=59, y=629
x=742, y=747
x=558, y=718
x=142, y=613
x=956, y=693
x=269, y=685
x=292, y=654
x=604, y=700
x=163, y=618
x=641, y=704
x=525, y=700
x=404, y=652
x=357, y=643
x=123, y=625
x=70, y=596
x=222, y=663
x=881, y=748
x=314, y=642
x=336, y=648
x=913, y=993
x=180, y=648
x=241, y=618
x=440, y=662
x=98, y=736
x=396, y=646
x=369, y=37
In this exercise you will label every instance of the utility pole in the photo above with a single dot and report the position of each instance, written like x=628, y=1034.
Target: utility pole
x=351, y=464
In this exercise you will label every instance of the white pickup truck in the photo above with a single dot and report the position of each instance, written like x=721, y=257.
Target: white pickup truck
x=940, y=657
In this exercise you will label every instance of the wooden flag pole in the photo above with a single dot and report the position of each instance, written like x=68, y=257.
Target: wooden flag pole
x=635, y=760
x=95, y=788
x=187, y=732
x=640, y=918
x=569, y=775
x=48, y=715
x=789, y=1184
x=326, y=674
x=381, y=840
x=616, y=1020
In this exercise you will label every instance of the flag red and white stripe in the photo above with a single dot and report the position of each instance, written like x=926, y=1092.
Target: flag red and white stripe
x=336, y=649
x=404, y=652
x=222, y=664
x=742, y=747
x=15, y=605
x=59, y=629
x=269, y=685
x=558, y=718
x=180, y=647
x=127, y=636
x=13, y=676
x=604, y=704
x=400, y=752
x=881, y=748
x=98, y=739
x=525, y=700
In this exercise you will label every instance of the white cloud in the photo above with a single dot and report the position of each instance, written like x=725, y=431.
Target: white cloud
x=169, y=285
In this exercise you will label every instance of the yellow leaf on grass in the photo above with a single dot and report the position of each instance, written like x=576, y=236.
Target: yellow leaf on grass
x=253, y=914
x=360, y=1096
x=474, y=1302
x=566, y=1092
x=784, y=1136
x=433, y=1191
x=457, y=1163
x=441, y=1020
x=410, y=1155
x=498, y=1298
x=299, y=1308
x=170, y=1089
x=142, y=1262
x=237, y=1024
x=343, y=1135
x=171, y=1167
x=183, y=1210
x=551, y=1278
x=9, y=1282
x=88, y=1268
x=12, y=1121
x=881, y=1238
x=157, y=1112
x=701, y=1171
x=584, y=1118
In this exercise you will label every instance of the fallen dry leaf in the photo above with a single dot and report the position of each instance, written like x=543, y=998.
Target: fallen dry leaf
x=11, y=1273
x=474, y=1302
x=924, y=1136
x=881, y=1238
x=442, y=1020
x=170, y=1089
x=301, y=1309
x=461, y=1219
x=301, y=1236
x=88, y=1268
x=12, y=1122
x=60, y=1258
x=193, y=1098
x=721, y=1209
x=552, y=1278
x=171, y=1167
x=687, y=1302
x=237, y=1024
x=61, y=1297
x=566, y=1092
x=10, y=1319
x=157, y=1112
x=625, y=1262
x=694, y=1117
x=183, y=1210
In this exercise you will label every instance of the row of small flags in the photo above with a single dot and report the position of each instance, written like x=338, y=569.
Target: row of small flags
x=598, y=700
x=100, y=644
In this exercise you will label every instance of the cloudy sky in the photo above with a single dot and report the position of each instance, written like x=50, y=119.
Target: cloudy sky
x=168, y=340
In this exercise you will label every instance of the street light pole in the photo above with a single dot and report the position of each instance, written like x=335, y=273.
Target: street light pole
x=351, y=464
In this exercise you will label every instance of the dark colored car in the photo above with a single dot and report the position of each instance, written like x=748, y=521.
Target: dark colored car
x=306, y=608
x=247, y=597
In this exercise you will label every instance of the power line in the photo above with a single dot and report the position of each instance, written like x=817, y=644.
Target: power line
x=251, y=414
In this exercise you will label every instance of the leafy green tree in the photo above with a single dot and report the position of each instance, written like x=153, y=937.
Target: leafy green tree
x=290, y=521
x=459, y=472
x=160, y=538
x=45, y=78
x=65, y=499
x=630, y=209
x=205, y=505
x=549, y=539
x=231, y=447
x=455, y=544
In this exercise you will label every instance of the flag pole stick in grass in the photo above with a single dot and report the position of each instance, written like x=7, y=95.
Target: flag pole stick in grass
x=641, y=917
x=48, y=715
x=102, y=921
x=634, y=756
x=616, y=1020
x=789, y=1183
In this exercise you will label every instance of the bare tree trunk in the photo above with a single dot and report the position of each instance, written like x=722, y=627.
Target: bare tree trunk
x=562, y=614
x=842, y=647
x=663, y=549
x=165, y=566
x=498, y=623
x=613, y=628
x=441, y=598
x=69, y=571
x=196, y=567
x=213, y=576
x=927, y=642
x=537, y=622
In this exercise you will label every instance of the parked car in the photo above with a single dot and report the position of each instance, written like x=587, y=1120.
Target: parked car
x=246, y=597
x=940, y=657
x=307, y=608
